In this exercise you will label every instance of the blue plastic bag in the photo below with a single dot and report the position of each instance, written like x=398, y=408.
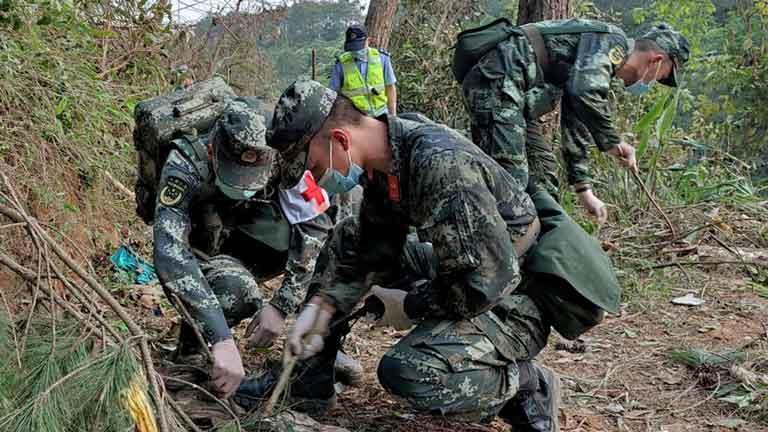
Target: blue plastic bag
x=128, y=261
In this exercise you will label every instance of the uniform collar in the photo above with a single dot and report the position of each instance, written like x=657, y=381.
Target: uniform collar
x=392, y=180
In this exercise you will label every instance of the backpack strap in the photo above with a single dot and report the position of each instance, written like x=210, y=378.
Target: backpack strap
x=537, y=42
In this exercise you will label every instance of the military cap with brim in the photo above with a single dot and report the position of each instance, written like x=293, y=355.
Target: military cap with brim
x=299, y=114
x=675, y=45
x=354, y=37
x=241, y=157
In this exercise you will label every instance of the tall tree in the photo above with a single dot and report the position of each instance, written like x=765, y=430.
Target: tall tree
x=381, y=14
x=540, y=10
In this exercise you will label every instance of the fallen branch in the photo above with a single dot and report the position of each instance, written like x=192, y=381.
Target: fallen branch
x=207, y=393
x=129, y=193
x=35, y=231
x=640, y=182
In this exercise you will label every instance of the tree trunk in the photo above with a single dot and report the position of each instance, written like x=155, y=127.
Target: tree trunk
x=381, y=14
x=539, y=10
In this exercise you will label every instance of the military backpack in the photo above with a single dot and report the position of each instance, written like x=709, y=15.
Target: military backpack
x=178, y=120
x=473, y=44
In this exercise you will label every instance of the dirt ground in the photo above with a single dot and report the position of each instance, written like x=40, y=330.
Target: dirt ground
x=622, y=381
x=618, y=377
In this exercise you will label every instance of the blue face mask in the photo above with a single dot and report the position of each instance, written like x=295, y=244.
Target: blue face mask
x=361, y=54
x=234, y=193
x=641, y=87
x=335, y=182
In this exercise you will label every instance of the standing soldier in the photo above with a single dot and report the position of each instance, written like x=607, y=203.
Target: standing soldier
x=479, y=321
x=221, y=198
x=365, y=75
x=521, y=77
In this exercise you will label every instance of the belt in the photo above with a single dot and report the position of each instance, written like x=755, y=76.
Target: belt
x=524, y=243
x=537, y=42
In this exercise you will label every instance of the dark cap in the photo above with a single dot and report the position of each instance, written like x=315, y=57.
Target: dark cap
x=674, y=44
x=354, y=38
x=299, y=114
x=241, y=157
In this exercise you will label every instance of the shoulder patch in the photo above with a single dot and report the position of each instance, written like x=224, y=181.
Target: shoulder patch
x=173, y=192
x=616, y=55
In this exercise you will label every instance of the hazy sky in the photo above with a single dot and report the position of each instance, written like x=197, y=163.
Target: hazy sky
x=192, y=10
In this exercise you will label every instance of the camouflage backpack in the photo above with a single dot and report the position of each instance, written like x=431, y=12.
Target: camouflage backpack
x=178, y=120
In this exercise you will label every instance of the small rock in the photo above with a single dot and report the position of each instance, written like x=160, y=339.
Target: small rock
x=688, y=300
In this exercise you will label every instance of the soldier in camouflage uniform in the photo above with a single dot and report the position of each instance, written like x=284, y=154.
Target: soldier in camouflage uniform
x=219, y=230
x=573, y=61
x=478, y=327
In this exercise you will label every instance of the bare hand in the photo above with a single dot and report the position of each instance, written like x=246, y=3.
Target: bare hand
x=227, y=368
x=593, y=205
x=267, y=325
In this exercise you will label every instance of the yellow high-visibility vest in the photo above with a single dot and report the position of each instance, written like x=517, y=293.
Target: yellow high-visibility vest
x=367, y=93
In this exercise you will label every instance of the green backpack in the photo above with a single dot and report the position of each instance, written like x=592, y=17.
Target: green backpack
x=473, y=44
x=178, y=120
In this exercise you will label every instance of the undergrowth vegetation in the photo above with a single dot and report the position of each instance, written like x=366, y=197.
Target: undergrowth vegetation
x=70, y=76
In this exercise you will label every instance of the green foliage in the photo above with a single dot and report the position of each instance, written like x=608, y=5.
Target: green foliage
x=67, y=383
x=726, y=79
x=421, y=49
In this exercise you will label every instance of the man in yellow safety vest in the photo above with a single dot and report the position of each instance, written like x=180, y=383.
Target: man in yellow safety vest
x=365, y=75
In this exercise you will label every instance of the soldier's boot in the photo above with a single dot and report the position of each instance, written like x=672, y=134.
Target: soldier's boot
x=312, y=388
x=536, y=405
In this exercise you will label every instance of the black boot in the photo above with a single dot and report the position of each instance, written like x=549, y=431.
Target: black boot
x=536, y=405
x=311, y=389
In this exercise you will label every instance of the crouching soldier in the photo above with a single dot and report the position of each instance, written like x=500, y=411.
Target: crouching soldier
x=477, y=326
x=220, y=230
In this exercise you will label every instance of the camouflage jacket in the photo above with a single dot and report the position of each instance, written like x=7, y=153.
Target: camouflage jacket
x=461, y=201
x=583, y=64
x=192, y=213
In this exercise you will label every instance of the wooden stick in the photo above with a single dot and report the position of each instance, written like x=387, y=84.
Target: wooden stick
x=289, y=362
x=129, y=193
x=640, y=182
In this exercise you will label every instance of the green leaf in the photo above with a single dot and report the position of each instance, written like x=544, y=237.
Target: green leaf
x=665, y=122
x=62, y=106
x=652, y=115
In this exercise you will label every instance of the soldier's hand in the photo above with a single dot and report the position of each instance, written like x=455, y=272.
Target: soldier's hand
x=394, y=308
x=625, y=155
x=227, y=367
x=312, y=325
x=265, y=327
x=594, y=206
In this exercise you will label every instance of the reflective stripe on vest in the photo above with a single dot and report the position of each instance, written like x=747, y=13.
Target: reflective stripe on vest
x=367, y=94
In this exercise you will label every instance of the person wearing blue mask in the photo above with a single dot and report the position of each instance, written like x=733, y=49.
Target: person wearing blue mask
x=222, y=226
x=365, y=74
x=527, y=70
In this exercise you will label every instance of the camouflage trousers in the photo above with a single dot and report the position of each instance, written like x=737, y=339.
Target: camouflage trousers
x=504, y=104
x=452, y=368
x=236, y=289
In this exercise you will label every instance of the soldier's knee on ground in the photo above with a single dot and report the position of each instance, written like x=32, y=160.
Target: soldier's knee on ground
x=405, y=380
x=235, y=287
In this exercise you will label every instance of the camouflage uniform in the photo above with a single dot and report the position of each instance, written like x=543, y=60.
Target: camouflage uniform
x=247, y=240
x=507, y=92
x=479, y=320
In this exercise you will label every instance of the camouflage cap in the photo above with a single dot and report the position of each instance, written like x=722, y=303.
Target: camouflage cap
x=674, y=44
x=241, y=157
x=299, y=114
